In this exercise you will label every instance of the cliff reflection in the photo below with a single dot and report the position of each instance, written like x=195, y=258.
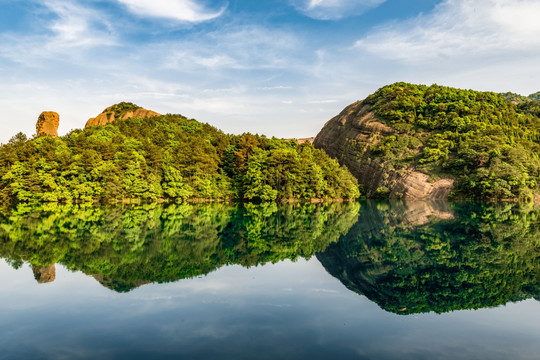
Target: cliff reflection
x=421, y=257
x=125, y=247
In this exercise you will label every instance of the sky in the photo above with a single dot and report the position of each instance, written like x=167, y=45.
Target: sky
x=275, y=67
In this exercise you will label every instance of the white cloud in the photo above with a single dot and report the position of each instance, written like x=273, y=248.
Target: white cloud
x=238, y=47
x=78, y=26
x=462, y=30
x=180, y=10
x=334, y=9
x=72, y=29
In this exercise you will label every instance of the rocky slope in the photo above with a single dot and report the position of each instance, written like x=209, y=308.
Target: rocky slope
x=434, y=142
x=121, y=111
x=350, y=137
x=44, y=274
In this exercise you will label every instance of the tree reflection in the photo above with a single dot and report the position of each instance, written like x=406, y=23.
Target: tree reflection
x=421, y=257
x=127, y=246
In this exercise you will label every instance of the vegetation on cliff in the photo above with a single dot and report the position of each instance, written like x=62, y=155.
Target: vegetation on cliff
x=489, y=145
x=480, y=256
x=166, y=157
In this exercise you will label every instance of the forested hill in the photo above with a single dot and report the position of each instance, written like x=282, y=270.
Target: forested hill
x=510, y=96
x=166, y=157
x=407, y=138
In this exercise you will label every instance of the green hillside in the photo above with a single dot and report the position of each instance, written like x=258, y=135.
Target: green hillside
x=490, y=146
x=535, y=96
x=168, y=158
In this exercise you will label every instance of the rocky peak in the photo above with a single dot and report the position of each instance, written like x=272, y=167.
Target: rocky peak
x=47, y=124
x=121, y=111
x=44, y=274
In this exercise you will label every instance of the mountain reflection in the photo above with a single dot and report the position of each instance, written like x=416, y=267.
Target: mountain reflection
x=123, y=247
x=406, y=257
x=428, y=256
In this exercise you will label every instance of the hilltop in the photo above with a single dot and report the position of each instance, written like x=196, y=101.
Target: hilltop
x=137, y=154
x=430, y=142
x=120, y=111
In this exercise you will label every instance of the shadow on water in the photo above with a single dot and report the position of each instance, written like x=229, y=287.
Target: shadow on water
x=436, y=256
x=408, y=257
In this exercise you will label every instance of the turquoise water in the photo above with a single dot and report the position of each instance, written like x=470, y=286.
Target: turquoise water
x=422, y=280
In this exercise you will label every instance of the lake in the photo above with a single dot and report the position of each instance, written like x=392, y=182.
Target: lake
x=367, y=280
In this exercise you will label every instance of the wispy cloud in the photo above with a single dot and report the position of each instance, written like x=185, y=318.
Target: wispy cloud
x=334, y=9
x=77, y=25
x=492, y=30
x=179, y=10
x=242, y=47
x=72, y=28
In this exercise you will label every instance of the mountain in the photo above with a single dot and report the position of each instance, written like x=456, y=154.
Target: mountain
x=430, y=142
x=535, y=96
x=165, y=158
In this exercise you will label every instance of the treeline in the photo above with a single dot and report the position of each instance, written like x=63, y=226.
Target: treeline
x=488, y=144
x=510, y=96
x=169, y=158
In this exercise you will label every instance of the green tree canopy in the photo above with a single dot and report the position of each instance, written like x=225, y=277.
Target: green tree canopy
x=169, y=158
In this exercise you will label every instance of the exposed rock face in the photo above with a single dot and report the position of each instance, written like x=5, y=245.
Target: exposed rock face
x=350, y=136
x=112, y=113
x=44, y=274
x=47, y=124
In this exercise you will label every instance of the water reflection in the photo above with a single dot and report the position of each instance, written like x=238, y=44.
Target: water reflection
x=422, y=257
x=126, y=247
x=406, y=257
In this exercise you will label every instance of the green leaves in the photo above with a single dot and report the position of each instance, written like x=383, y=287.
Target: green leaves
x=488, y=144
x=166, y=158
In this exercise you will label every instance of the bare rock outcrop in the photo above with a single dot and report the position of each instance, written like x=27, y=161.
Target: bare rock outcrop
x=44, y=274
x=47, y=124
x=350, y=138
x=119, y=112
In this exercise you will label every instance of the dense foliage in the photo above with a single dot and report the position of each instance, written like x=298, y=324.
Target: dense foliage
x=119, y=110
x=407, y=260
x=535, y=96
x=166, y=158
x=126, y=246
x=488, y=144
x=510, y=96
x=516, y=98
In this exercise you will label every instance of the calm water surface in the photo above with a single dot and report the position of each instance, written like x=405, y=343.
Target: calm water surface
x=354, y=281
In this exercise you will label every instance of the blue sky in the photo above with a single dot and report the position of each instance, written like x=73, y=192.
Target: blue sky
x=275, y=67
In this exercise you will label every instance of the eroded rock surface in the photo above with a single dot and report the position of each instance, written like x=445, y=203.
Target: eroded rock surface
x=350, y=137
x=47, y=124
x=44, y=274
x=115, y=112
